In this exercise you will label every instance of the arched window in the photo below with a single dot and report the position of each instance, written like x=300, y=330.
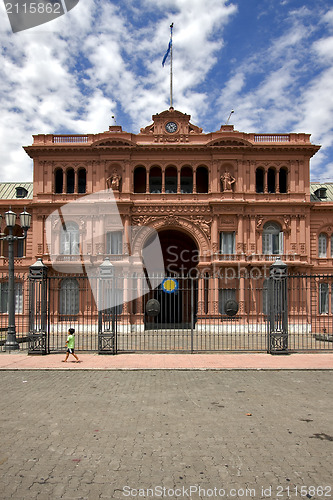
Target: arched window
x=171, y=180
x=322, y=245
x=82, y=180
x=283, y=176
x=70, y=239
x=70, y=180
x=272, y=239
x=58, y=181
x=155, y=180
x=271, y=180
x=202, y=180
x=186, y=180
x=140, y=180
x=259, y=180
x=69, y=298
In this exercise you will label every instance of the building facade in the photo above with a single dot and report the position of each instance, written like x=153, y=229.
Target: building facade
x=225, y=205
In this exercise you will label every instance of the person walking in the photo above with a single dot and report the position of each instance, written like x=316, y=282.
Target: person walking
x=70, y=342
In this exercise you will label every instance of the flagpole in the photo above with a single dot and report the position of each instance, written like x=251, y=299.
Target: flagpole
x=171, y=75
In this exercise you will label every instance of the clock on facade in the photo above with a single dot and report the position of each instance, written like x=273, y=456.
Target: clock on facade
x=171, y=127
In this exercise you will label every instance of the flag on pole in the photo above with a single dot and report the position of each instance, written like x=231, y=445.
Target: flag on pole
x=167, y=53
x=169, y=47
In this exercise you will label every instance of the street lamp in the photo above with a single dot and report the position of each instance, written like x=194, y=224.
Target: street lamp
x=10, y=219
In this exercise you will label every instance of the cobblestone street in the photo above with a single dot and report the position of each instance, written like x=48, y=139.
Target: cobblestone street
x=101, y=434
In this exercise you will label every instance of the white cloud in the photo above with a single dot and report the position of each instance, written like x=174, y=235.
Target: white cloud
x=100, y=59
x=73, y=73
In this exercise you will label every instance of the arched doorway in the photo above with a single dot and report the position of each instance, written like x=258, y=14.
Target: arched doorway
x=178, y=296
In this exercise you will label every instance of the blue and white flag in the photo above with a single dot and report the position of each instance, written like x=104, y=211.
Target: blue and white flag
x=167, y=52
x=169, y=46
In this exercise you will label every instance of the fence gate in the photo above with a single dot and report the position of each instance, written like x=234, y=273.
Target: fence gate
x=191, y=314
x=203, y=313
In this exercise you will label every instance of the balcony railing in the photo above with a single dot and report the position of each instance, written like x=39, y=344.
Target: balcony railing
x=69, y=139
x=272, y=138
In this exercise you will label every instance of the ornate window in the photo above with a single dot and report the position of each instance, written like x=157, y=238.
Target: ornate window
x=322, y=246
x=227, y=243
x=260, y=176
x=171, y=180
x=82, y=181
x=70, y=239
x=140, y=180
x=202, y=180
x=58, y=181
x=69, y=303
x=186, y=180
x=155, y=180
x=272, y=239
x=114, y=242
x=283, y=180
x=70, y=180
x=271, y=181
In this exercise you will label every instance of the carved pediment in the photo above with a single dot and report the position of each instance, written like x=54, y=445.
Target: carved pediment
x=177, y=118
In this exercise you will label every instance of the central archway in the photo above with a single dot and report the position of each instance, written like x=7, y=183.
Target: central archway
x=177, y=308
x=180, y=251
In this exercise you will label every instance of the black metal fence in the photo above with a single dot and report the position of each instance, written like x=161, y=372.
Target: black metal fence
x=278, y=313
x=21, y=292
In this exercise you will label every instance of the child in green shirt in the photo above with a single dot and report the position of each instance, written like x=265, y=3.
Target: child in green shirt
x=70, y=342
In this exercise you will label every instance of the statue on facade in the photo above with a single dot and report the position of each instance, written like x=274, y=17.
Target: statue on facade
x=227, y=181
x=113, y=182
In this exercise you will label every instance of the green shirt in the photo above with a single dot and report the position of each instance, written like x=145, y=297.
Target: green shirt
x=70, y=341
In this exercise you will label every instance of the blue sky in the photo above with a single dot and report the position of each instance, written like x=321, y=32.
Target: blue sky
x=269, y=60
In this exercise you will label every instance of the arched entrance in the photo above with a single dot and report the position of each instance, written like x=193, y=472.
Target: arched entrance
x=180, y=251
x=178, y=295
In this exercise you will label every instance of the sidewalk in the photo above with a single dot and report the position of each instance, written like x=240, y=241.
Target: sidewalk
x=216, y=361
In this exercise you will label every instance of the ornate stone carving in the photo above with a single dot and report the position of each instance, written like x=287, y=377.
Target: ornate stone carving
x=228, y=220
x=215, y=247
x=113, y=182
x=227, y=181
x=259, y=219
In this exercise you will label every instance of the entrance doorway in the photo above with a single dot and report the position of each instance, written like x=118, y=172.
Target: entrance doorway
x=178, y=297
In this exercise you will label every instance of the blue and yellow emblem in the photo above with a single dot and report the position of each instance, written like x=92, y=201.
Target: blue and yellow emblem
x=169, y=285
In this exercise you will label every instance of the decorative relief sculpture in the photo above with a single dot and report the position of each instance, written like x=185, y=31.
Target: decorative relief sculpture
x=259, y=220
x=227, y=181
x=113, y=182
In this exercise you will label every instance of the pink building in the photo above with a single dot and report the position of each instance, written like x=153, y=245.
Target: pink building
x=226, y=203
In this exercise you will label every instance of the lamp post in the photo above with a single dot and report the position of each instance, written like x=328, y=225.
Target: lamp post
x=10, y=219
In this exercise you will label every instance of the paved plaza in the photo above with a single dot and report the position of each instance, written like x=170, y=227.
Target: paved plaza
x=166, y=434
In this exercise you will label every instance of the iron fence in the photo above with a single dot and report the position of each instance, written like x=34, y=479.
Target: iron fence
x=201, y=313
x=21, y=308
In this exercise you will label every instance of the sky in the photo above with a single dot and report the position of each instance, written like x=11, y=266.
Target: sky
x=271, y=61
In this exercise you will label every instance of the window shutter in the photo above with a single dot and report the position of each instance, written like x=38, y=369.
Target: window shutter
x=266, y=244
x=75, y=247
x=65, y=242
x=322, y=246
x=280, y=242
